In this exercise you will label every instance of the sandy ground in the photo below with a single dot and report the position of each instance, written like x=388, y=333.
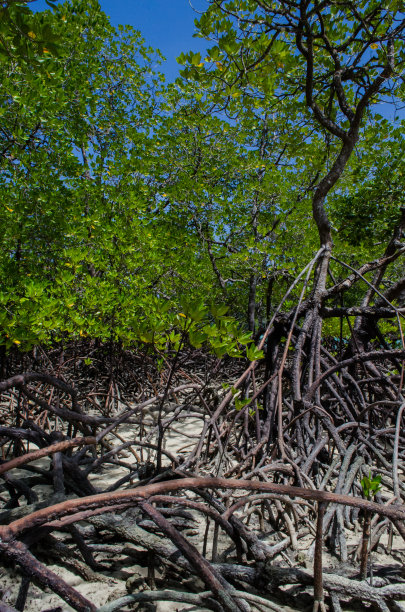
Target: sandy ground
x=180, y=440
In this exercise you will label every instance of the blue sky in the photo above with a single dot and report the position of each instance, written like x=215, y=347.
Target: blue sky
x=167, y=25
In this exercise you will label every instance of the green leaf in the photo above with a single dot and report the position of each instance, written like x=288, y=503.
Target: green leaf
x=370, y=485
x=195, y=59
x=240, y=403
x=253, y=353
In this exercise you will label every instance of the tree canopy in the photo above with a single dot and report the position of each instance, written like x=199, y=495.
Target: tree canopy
x=122, y=194
x=222, y=253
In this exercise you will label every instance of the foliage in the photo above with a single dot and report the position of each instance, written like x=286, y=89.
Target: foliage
x=253, y=208
x=370, y=485
x=318, y=70
x=121, y=194
x=26, y=37
x=90, y=247
x=369, y=207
